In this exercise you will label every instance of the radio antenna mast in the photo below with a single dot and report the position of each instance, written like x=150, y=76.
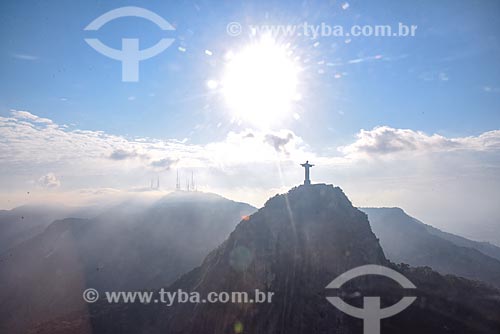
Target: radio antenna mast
x=177, y=182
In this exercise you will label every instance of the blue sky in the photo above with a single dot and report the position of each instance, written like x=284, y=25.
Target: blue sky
x=456, y=41
x=428, y=103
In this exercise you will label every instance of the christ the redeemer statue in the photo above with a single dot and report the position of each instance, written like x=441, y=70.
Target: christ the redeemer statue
x=306, y=166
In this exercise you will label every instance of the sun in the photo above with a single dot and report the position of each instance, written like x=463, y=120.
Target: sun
x=260, y=83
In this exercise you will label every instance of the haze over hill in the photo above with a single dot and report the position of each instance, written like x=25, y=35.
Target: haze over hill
x=131, y=246
x=24, y=222
x=294, y=246
x=405, y=239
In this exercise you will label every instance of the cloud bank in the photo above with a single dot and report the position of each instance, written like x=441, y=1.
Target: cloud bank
x=451, y=183
x=384, y=141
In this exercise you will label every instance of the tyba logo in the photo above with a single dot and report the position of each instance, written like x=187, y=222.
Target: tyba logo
x=371, y=313
x=129, y=55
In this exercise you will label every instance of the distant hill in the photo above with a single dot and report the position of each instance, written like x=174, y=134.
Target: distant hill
x=23, y=223
x=405, y=239
x=130, y=246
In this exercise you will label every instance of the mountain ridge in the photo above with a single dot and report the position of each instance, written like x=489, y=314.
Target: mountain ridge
x=294, y=246
x=406, y=239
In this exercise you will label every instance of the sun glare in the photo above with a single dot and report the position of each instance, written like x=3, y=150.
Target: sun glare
x=260, y=82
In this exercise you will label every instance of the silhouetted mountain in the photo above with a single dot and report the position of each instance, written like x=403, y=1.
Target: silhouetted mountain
x=405, y=239
x=294, y=246
x=131, y=246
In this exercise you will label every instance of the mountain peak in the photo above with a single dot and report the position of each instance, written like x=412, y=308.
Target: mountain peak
x=293, y=246
x=315, y=194
x=314, y=220
x=195, y=196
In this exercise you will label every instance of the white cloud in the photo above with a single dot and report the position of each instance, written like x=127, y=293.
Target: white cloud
x=49, y=181
x=23, y=56
x=19, y=114
x=163, y=164
x=121, y=154
x=490, y=89
x=30, y=144
x=386, y=141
